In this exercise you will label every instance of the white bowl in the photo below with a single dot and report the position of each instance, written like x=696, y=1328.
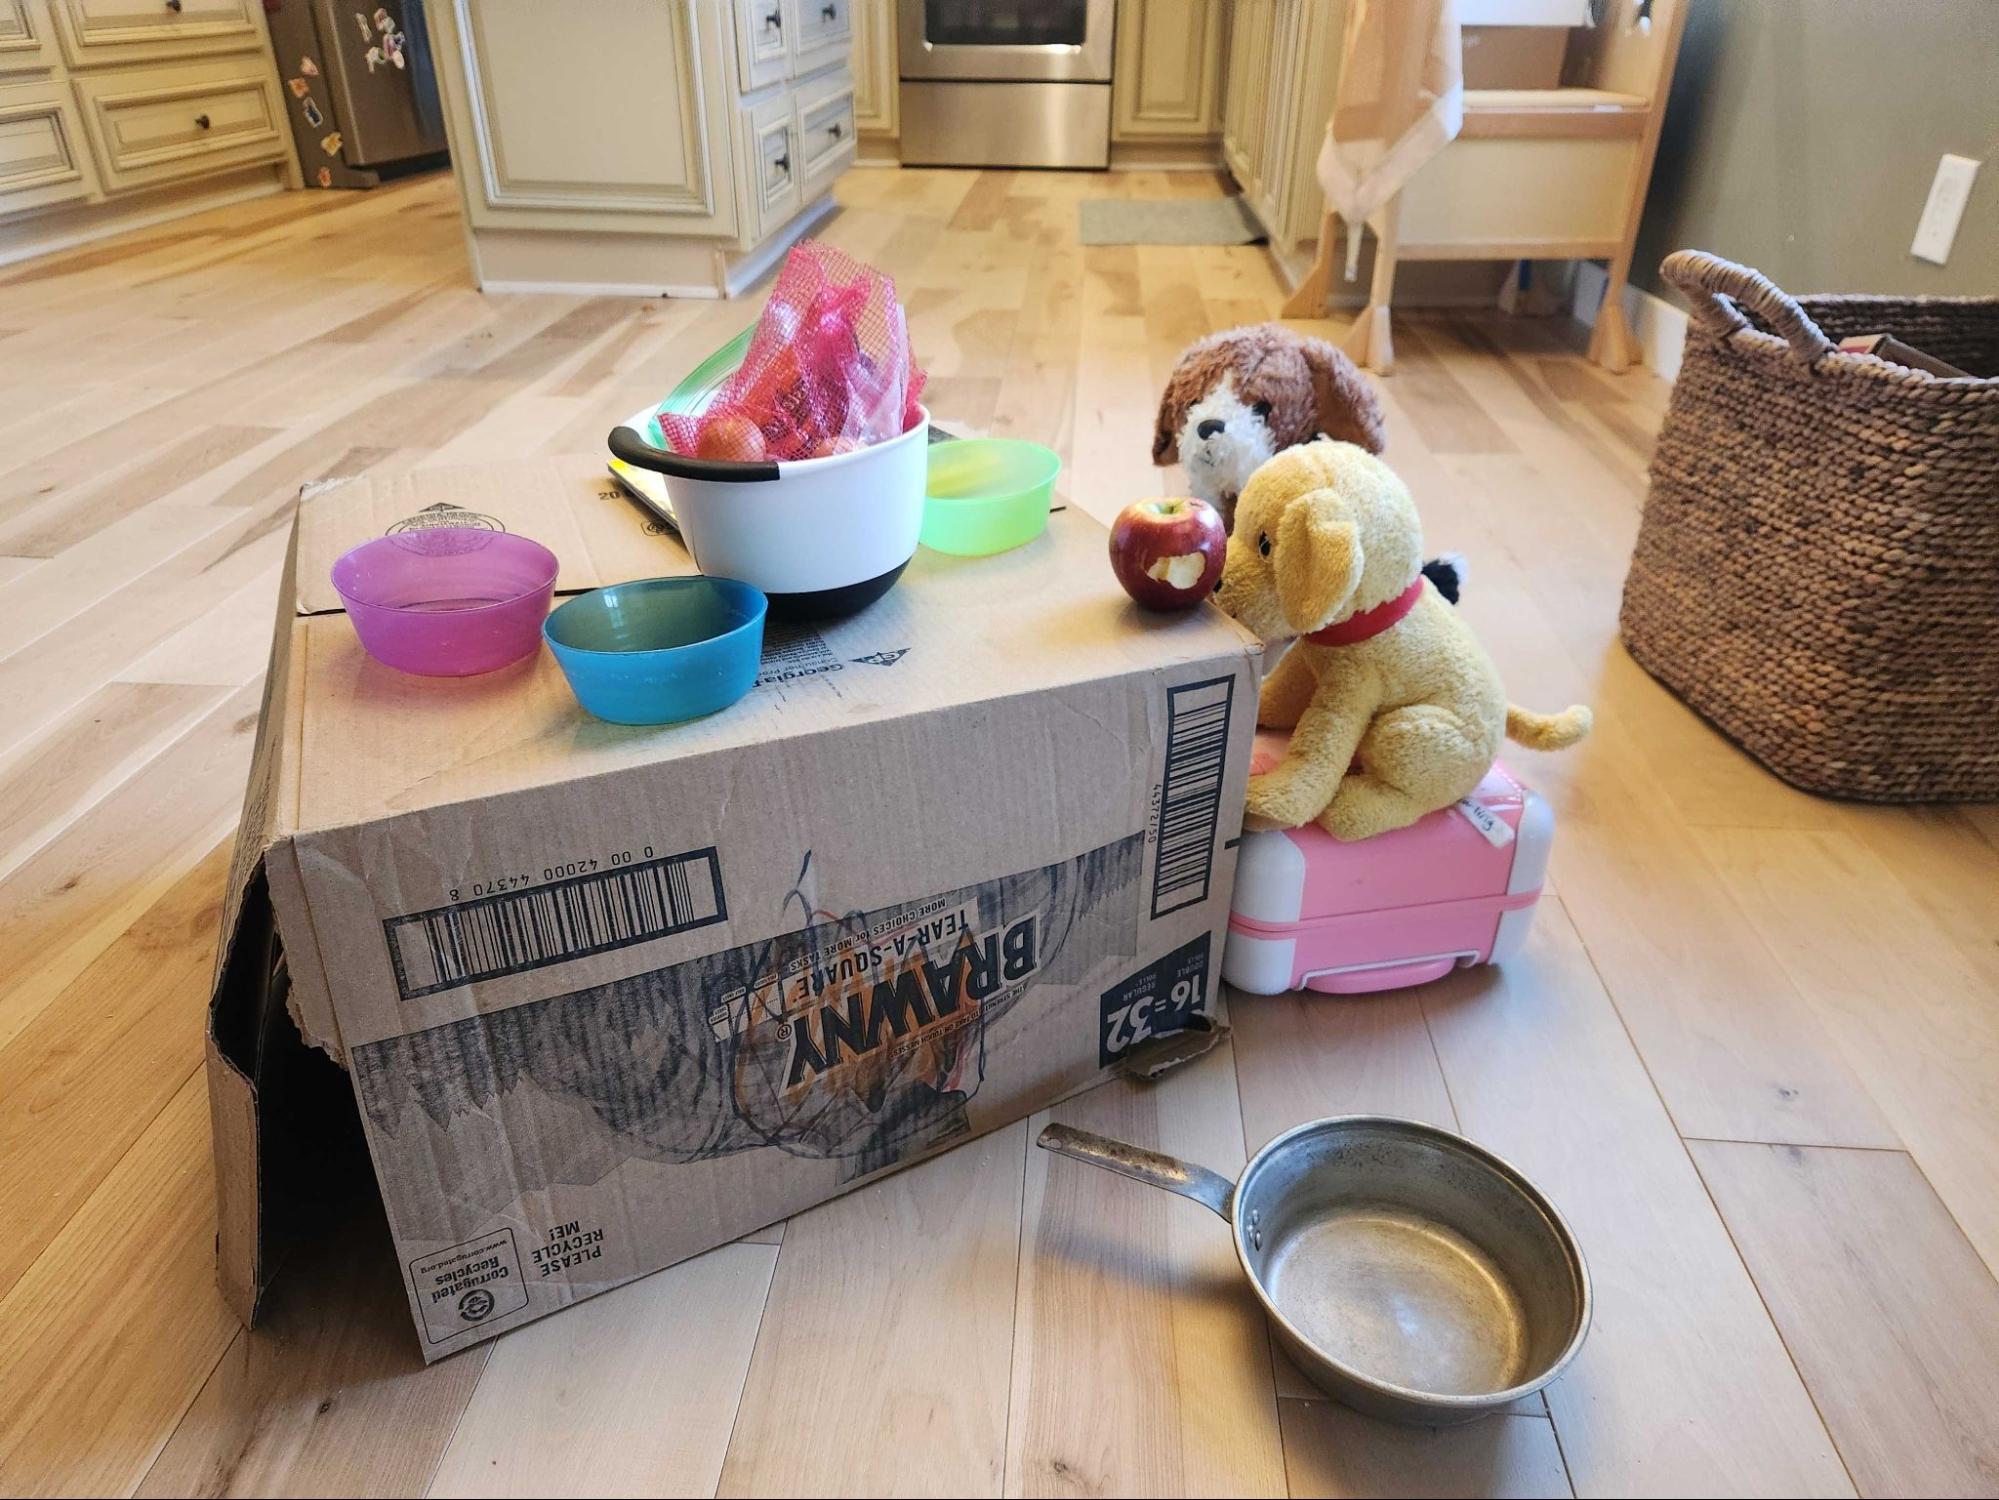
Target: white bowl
x=822, y=537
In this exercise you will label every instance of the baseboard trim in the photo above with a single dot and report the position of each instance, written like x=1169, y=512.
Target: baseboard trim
x=621, y=258
x=1659, y=327
x=100, y=221
x=751, y=268
x=605, y=289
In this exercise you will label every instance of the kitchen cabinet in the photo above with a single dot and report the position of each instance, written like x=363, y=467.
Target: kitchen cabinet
x=594, y=126
x=152, y=125
x=96, y=32
x=651, y=146
x=43, y=158
x=117, y=110
x=821, y=34
x=1168, y=79
x=27, y=37
x=1283, y=66
x=875, y=78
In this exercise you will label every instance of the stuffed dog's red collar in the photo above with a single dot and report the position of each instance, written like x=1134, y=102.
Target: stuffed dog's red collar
x=1369, y=623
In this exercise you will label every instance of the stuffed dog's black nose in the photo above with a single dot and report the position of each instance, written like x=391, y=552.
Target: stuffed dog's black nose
x=1210, y=427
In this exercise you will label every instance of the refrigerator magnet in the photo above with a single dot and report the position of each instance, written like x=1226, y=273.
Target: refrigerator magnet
x=330, y=143
x=308, y=67
x=312, y=115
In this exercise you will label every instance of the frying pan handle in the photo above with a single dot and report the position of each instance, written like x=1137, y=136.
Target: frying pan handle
x=1210, y=1189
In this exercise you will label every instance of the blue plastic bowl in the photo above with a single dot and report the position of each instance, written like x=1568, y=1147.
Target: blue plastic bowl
x=659, y=650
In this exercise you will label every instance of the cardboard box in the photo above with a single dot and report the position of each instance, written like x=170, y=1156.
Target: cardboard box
x=1513, y=57
x=608, y=997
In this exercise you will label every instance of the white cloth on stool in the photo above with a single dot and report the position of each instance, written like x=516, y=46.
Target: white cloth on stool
x=1401, y=100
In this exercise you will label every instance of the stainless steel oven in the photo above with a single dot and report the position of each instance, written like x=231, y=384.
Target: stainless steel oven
x=1018, y=83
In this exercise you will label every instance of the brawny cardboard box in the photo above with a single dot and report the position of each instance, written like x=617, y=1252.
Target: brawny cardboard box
x=607, y=997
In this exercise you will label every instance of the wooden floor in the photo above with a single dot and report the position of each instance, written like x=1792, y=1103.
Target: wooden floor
x=1752, y=1049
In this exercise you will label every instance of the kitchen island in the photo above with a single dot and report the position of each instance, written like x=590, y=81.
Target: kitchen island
x=649, y=147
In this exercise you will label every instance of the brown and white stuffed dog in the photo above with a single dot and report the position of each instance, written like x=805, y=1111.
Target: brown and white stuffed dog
x=1240, y=396
x=1394, y=708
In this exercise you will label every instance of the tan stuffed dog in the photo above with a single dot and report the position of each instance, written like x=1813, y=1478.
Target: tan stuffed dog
x=1395, y=709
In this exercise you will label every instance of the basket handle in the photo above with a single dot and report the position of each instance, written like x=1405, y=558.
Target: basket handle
x=1712, y=284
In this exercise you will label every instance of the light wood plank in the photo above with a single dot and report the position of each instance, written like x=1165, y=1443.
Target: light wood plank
x=115, y=1327
x=629, y=1393
x=1302, y=1057
x=227, y=646
x=46, y=784
x=868, y=1290
x=1914, y=1019
x=1683, y=1387
x=63, y=906
x=1331, y=1451
x=1141, y=1363
x=87, y=1076
x=1763, y=1070
x=1902, y=1361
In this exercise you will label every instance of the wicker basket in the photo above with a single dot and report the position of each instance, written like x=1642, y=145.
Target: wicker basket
x=1817, y=570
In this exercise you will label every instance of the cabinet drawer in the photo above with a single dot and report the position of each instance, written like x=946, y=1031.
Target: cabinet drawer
x=822, y=32
x=154, y=125
x=43, y=159
x=825, y=133
x=762, y=54
x=771, y=165
x=27, y=42
x=123, y=31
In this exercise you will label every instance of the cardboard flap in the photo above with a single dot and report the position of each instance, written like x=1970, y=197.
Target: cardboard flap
x=597, y=532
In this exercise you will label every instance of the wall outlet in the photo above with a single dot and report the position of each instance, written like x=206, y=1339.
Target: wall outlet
x=1938, y=225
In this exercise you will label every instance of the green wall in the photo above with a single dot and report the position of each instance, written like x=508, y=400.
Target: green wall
x=1801, y=137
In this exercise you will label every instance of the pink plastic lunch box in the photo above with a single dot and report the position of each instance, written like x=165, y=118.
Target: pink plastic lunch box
x=1455, y=888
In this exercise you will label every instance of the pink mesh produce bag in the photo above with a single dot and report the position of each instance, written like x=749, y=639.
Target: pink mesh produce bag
x=828, y=369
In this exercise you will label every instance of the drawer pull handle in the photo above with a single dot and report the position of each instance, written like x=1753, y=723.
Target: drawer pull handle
x=202, y=121
x=774, y=21
x=836, y=130
x=830, y=12
x=174, y=6
x=782, y=163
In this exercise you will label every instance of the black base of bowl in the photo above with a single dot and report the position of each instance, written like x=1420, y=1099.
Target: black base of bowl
x=834, y=604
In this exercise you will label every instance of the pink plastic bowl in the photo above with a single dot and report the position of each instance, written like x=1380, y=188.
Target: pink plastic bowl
x=447, y=602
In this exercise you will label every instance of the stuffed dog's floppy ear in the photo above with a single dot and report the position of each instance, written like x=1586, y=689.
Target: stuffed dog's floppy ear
x=1316, y=561
x=1347, y=406
x=1166, y=430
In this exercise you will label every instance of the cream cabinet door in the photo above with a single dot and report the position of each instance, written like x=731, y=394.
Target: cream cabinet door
x=154, y=125
x=95, y=32
x=773, y=165
x=822, y=33
x=27, y=37
x=825, y=108
x=618, y=113
x=875, y=81
x=762, y=55
x=1169, y=68
x=43, y=158
x=1248, y=89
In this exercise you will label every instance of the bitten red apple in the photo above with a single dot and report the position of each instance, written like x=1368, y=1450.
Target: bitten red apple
x=1168, y=552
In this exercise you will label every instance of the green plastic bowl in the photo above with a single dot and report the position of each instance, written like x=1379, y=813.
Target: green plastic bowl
x=987, y=495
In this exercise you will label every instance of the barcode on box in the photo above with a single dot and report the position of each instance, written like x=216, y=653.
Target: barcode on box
x=511, y=933
x=1190, y=800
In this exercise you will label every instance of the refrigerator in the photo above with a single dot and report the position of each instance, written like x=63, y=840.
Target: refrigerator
x=360, y=88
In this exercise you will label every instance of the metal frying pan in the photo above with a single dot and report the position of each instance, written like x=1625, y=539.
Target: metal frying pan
x=1409, y=1273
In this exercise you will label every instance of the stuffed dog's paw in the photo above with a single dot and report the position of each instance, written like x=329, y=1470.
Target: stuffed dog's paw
x=1277, y=801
